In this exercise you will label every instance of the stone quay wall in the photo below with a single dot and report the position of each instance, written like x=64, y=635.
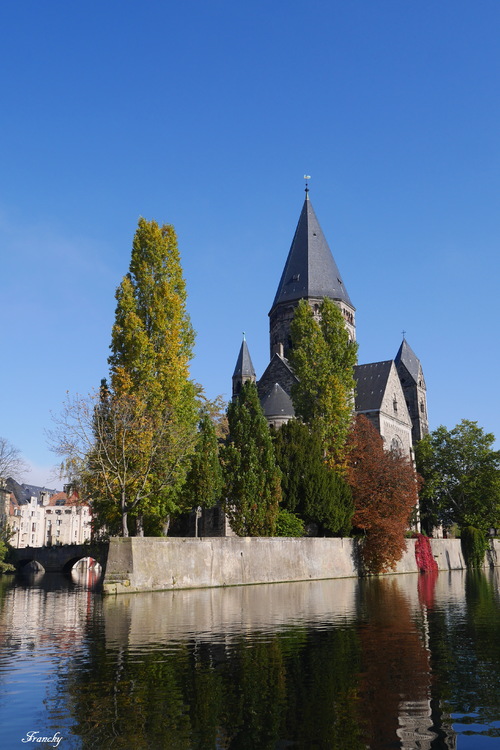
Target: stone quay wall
x=162, y=563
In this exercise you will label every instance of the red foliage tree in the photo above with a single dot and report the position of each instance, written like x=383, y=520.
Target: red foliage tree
x=385, y=492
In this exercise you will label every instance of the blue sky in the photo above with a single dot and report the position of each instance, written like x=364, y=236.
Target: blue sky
x=206, y=116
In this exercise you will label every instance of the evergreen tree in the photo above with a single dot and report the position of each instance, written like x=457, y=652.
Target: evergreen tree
x=311, y=490
x=323, y=359
x=204, y=481
x=252, y=479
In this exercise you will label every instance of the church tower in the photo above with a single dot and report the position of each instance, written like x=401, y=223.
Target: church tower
x=310, y=273
x=244, y=369
x=415, y=392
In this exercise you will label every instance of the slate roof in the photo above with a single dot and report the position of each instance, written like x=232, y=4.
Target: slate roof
x=277, y=403
x=24, y=492
x=409, y=359
x=310, y=270
x=244, y=366
x=371, y=382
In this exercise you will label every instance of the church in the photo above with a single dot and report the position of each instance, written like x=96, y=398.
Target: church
x=391, y=394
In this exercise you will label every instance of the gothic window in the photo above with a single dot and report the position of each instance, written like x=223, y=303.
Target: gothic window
x=395, y=404
x=422, y=408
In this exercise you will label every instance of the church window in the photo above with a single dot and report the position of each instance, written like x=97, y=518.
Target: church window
x=422, y=408
x=395, y=404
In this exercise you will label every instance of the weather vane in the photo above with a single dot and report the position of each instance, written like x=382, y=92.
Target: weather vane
x=307, y=177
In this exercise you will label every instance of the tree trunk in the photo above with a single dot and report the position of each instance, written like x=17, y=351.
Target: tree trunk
x=166, y=526
x=124, y=523
x=139, y=525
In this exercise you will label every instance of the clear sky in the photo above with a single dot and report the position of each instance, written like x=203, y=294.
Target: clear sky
x=207, y=115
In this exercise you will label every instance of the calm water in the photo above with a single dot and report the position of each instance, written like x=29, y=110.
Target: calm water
x=403, y=662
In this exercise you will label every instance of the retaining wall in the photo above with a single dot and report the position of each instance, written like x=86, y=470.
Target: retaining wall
x=162, y=563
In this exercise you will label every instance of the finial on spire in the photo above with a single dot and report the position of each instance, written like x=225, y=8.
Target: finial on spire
x=244, y=337
x=404, y=334
x=307, y=177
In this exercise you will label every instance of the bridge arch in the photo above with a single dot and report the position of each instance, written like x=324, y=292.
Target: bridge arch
x=86, y=561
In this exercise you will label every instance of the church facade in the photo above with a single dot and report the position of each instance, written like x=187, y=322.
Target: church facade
x=391, y=394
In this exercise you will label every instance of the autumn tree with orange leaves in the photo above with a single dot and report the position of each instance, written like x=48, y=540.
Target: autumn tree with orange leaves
x=385, y=493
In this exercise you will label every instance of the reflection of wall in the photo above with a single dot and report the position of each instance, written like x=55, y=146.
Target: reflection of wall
x=206, y=613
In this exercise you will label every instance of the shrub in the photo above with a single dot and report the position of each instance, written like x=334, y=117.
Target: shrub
x=288, y=524
x=474, y=546
x=423, y=554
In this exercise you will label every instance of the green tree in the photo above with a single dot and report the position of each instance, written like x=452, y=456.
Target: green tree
x=133, y=461
x=313, y=491
x=204, y=481
x=6, y=534
x=323, y=359
x=252, y=478
x=461, y=473
x=151, y=346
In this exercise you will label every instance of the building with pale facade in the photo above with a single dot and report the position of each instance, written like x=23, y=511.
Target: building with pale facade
x=39, y=517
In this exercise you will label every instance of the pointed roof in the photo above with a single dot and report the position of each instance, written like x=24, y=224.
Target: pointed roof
x=371, y=382
x=244, y=366
x=409, y=359
x=277, y=403
x=310, y=270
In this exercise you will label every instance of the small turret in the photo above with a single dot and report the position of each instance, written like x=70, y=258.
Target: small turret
x=244, y=369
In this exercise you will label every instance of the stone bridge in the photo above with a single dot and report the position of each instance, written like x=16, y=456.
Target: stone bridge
x=59, y=558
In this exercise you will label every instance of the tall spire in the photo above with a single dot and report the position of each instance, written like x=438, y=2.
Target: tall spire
x=310, y=271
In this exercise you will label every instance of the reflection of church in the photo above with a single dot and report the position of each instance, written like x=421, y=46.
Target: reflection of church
x=392, y=394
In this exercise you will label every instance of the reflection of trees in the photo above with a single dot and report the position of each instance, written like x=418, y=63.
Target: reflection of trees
x=394, y=687
x=314, y=686
x=465, y=643
x=239, y=694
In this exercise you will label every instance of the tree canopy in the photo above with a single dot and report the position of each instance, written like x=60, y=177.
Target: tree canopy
x=323, y=359
x=252, y=478
x=12, y=463
x=385, y=492
x=311, y=490
x=143, y=423
x=204, y=482
x=461, y=473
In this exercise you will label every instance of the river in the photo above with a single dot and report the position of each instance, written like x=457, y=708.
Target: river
x=404, y=661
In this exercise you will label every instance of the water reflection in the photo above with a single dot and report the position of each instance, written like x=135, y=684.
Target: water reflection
x=403, y=661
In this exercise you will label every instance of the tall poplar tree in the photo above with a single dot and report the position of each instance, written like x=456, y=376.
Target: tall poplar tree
x=151, y=345
x=323, y=359
x=252, y=478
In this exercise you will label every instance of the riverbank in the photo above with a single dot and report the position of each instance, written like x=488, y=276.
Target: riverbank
x=162, y=563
